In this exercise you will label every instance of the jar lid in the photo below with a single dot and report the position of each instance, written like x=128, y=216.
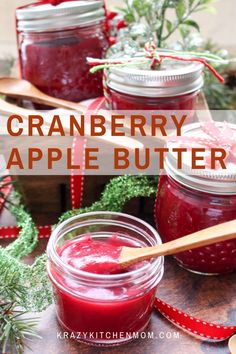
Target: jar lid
x=174, y=78
x=218, y=181
x=46, y=17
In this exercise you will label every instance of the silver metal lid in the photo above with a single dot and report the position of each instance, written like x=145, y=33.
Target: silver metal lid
x=220, y=181
x=66, y=15
x=173, y=79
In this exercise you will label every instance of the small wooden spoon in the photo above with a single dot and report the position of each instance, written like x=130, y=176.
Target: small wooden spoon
x=18, y=88
x=218, y=233
x=23, y=89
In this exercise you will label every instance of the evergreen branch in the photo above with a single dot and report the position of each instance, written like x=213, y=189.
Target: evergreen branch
x=15, y=328
x=117, y=193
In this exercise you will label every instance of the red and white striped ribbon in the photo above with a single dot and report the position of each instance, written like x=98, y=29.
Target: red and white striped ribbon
x=5, y=190
x=194, y=326
x=78, y=148
x=12, y=232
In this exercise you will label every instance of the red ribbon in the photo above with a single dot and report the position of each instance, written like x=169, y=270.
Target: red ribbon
x=5, y=189
x=194, y=326
x=79, y=144
x=12, y=232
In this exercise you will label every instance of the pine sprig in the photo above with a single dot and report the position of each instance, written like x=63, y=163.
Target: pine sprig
x=15, y=328
x=10, y=288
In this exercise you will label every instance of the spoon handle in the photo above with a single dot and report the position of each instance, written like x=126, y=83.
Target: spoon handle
x=218, y=233
x=42, y=98
x=9, y=108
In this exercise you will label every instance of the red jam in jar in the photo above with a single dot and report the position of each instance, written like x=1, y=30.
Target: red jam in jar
x=173, y=86
x=98, y=256
x=54, y=42
x=188, y=203
x=93, y=296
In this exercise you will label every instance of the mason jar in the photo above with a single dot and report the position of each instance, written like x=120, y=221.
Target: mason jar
x=187, y=203
x=54, y=42
x=110, y=307
x=174, y=85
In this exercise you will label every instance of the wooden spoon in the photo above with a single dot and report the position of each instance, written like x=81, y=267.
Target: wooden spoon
x=23, y=89
x=18, y=88
x=218, y=233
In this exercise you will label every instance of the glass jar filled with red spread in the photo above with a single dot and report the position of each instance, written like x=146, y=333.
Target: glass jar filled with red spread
x=54, y=42
x=94, y=296
x=172, y=86
x=188, y=202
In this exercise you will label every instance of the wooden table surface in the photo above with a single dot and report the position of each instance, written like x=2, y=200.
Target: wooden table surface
x=209, y=298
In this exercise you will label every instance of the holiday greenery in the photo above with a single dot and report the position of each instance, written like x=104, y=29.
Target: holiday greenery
x=27, y=287
x=158, y=20
x=15, y=327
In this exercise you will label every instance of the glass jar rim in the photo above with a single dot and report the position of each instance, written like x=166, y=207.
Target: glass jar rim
x=46, y=17
x=208, y=181
x=56, y=259
x=174, y=79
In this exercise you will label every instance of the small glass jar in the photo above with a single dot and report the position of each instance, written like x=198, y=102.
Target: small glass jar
x=54, y=42
x=174, y=86
x=188, y=203
x=109, y=307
